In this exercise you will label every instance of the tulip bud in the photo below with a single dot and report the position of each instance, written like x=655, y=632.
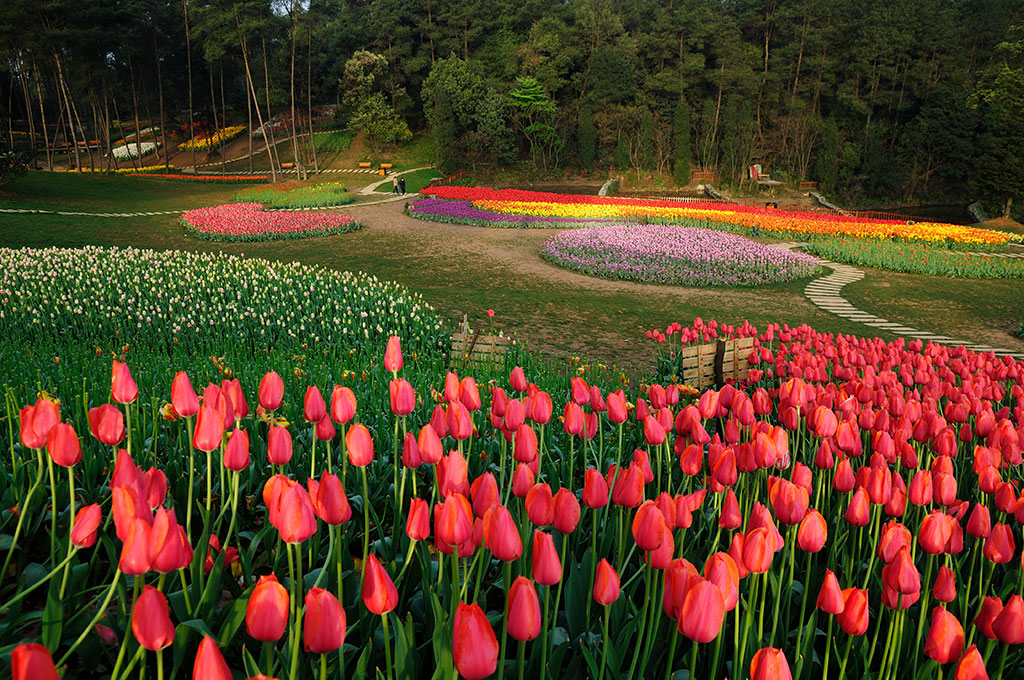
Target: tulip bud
x=266, y=613
x=379, y=593
x=343, y=405
x=393, y=355
x=30, y=661
x=417, y=526
x=945, y=640
x=324, y=622
x=271, y=392
x=547, y=567
x=474, y=645
x=523, y=612
x=279, y=445
x=209, y=663
x=122, y=386
x=151, y=622
x=359, y=445
x=770, y=664
x=606, y=583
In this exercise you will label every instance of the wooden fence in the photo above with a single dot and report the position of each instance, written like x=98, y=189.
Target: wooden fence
x=475, y=350
x=714, y=363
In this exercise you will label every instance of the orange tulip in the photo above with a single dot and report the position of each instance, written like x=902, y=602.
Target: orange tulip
x=393, y=355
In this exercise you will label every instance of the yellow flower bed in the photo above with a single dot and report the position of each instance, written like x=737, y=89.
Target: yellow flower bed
x=764, y=221
x=204, y=143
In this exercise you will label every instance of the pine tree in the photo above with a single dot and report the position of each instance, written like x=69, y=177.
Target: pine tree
x=622, y=153
x=587, y=138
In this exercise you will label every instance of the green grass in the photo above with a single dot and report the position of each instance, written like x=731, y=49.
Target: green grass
x=332, y=141
x=414, y=181
x=561, y=312
x=296, y=195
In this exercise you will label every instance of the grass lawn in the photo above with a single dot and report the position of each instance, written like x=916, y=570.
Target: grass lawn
x=414, y=181
x=466, y=270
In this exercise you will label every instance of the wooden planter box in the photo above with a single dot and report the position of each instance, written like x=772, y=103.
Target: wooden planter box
x=475, y=350
x=711, y=364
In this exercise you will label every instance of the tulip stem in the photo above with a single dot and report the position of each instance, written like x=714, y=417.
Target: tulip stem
x=23, y=511
x=53, y=510
x=387, y=645
x=670, y=660
x=160, y=664
x=191, y=477
x=405, y=565
x=846, y=657
x=26, y=591
x=366, y=518
x=693, y=660
x=184, y=591
x=803, y=611
x=323, y=667
x=312, y=455
x=127, y=632
x=520, y=659
x=593, y=567
x=544, y=634
x=927, y=591
x=648, y=577
x=504, y=626
x=71, y=528
x=604, y=654
x=234, y=507
x=209, y=481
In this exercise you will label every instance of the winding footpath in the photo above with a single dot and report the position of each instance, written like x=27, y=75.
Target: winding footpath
x=826, y=294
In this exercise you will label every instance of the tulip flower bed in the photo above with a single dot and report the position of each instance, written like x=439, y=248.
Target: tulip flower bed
x=251, y=179
x=745, y=219
x=908, y=258
x=296, y=195
x=462, y=212
x=205, y=143
x=199, y=304
x=851, y=510
x=250, y=222
x=674, y=255
x=131, y=150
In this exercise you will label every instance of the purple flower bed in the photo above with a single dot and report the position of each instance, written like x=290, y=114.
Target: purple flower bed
x=461, y=212
x=681, y=256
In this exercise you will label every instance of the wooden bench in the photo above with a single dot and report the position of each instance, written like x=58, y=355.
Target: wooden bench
x=703, y=176
x=808, y=186
x=475, y=350
x=387, y=166
x=365, y=164
x=713, y=363
x=287, y=166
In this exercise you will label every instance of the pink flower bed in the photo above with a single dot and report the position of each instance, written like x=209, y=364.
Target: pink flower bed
x=250, y=222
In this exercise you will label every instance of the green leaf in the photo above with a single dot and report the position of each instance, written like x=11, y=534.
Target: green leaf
x=233, y=620
x=53, y=619
x=252, y=668
x=364, y=661
x=405, y=652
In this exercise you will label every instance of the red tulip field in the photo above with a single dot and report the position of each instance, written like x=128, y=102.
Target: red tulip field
x=853, y=509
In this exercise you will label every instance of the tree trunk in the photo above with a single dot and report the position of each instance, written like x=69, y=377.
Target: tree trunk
x=272, y=150
x=249, y=130
x=295, y=130
x=42, y=115
x=309, y=99
x=135, y=110
x=67, y=105
x=191, y=124
x=1007, y=206
x=252, y=91
x=160, y=90
x=28, y=110
x=120, y=127
x=223, y=120
x=106, y=127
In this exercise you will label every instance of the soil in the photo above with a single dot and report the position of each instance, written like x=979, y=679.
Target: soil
x=1004, y=224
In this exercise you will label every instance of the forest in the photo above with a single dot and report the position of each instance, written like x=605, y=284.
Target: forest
x=873, y=99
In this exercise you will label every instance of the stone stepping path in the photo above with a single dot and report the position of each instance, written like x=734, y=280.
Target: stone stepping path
x=826, y=293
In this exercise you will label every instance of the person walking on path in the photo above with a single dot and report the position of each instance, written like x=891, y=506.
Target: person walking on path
x=401, y=185
x=394, y=189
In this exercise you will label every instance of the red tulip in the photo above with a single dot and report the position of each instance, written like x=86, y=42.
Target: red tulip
x=540, y=408
x=902, y=576
x=460, y=423
x=62, y=445
x=628, y=491
x=266, y=614
x=329, y=500
x=945, y=640
x=122, y=386
x=30, y=661
x=830, y=597
x=429, y=445
x=944, y=589
x=236, y=453
x=279, y=445
x=757, y=554
x=169, y=548
x=813, y=532
x=547, y=567
x=606, y=583
x=789, y=502
x=858, y=513
x=474, y=645
x=501, y=536
x=271, y=392
x=209, y=663
x=1008, y=626
x=854, y=617
x=233, y=393
x=106, y=422
x=540, y=505
x=417, y=526
x=453, y=520
x=990, y=609
x=209, y=429
x=151, y=622
x=730, y=517
x=393, y=355
x=617, y=412
x=595, y=489
x=523, y=612
x=648, y=526
x=525, y=449
x=343, y=405
x=323, y=623
x=522, y=481
x=135, y=559
x=469, y=394
x=518, y=379
x=721, y=570
x=999, y=546
x=403, y=398
x=379, y=593
x=936, y=530
x=769, y=664
x=703, y=612
x=979, y=524
x=971, y=666
x=87, y=521
x=359, y=444
x=567, y=511
x=295, y=519
x=313, y=407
